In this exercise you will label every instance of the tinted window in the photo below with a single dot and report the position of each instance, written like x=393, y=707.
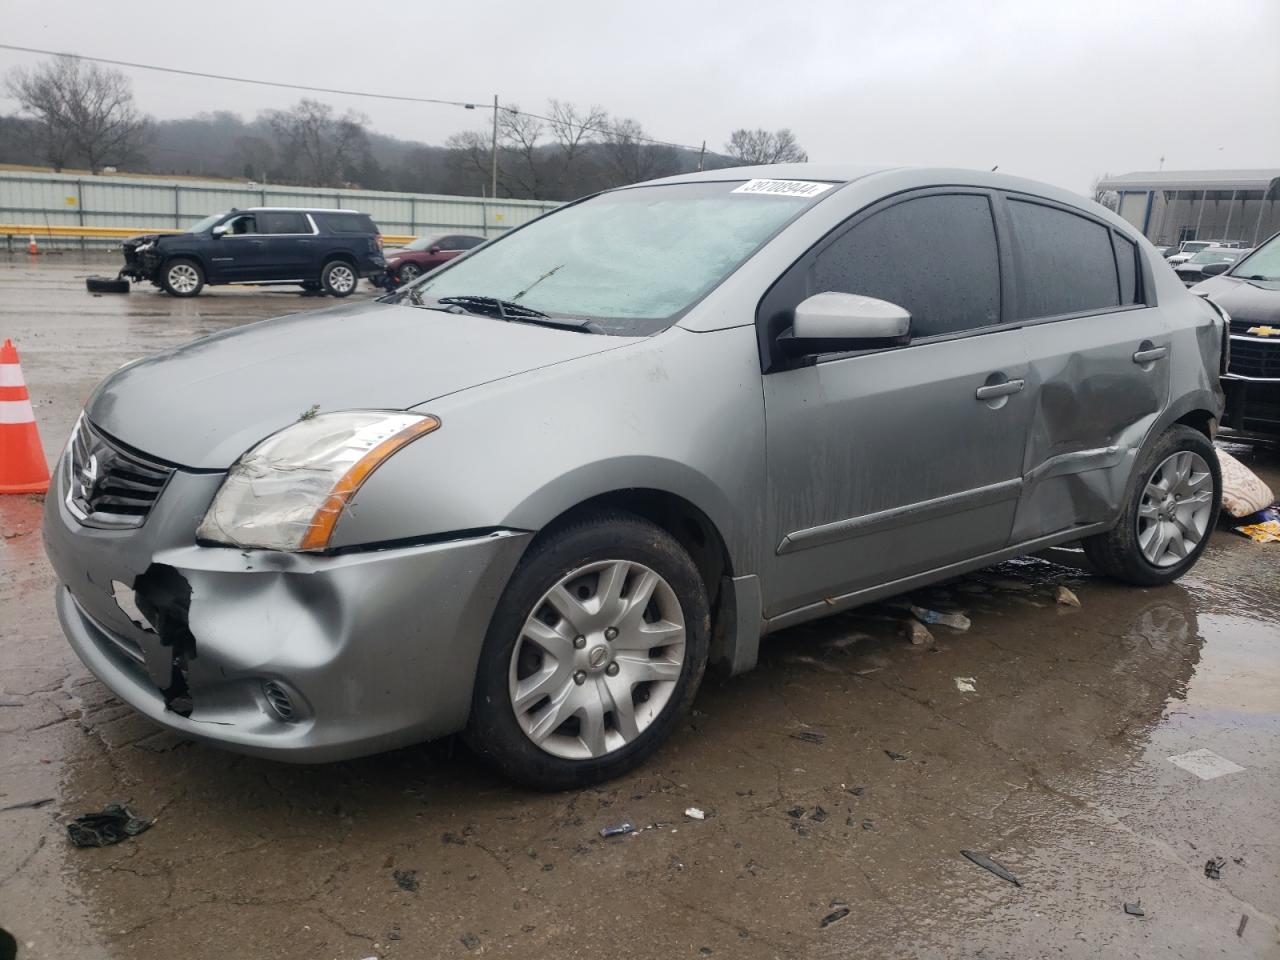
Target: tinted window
x=934, y=256
x=450, y=243
x=467, y=243
x=1064, y=262
x=277, y=221
x=241, y=225
x=348, y=222
x=1127, y=261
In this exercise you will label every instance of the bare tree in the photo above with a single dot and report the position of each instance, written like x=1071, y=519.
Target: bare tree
x=631, y=156
x=468, y=162
x=521, y=167
x=324, y=148
x=1108, y=198
x=85, y=111
x=573, y=130
x=762, y=146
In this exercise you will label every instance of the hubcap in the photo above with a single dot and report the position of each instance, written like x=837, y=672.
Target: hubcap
x=577, y=700
x=409, y=272
x=182, y=278
x=1176, y=508
x=342, y=279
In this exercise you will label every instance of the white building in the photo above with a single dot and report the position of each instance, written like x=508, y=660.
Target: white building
x=1170, y=206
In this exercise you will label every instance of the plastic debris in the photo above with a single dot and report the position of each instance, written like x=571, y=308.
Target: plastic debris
x=1264, y=531
x=986, y=863
x=1134, y=909
x=809, y=736
x=116, y=822
x=470, y=941
x=966, y=684
x=956, y=621
x=620, y=830
x=1213, y=867
x=1205, y=764
x=1065, y=597
x=895, y=756
x=835, y=916
x=406, y=880
x=819, y=815
x=918, y=633
x=29, y=804
x=693, y=813
x=1244, y=922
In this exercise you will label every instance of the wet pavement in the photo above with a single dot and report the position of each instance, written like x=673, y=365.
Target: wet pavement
x=1055, y=765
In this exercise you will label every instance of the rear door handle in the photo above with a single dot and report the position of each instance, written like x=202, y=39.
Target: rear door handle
x=1147, y=356
x=999, y=389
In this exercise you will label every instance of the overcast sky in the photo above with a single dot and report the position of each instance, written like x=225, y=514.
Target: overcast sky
x=1059, y=91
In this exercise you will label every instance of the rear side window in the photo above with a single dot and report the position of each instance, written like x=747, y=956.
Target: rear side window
x=280, y=221
x=1127, y=262
x=347, y=222
x=933, y=256
x=1064, y=262
x=468, y=243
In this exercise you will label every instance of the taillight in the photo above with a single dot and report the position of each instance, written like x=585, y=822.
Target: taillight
x=377, y=239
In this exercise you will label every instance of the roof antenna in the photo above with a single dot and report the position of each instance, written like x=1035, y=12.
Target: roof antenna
x=995, y=168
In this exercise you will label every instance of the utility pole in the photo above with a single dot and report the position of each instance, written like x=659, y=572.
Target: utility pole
x=702, y=155
x=493, y=174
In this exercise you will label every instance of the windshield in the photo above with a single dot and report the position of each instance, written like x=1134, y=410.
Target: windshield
x=1216, y=256
x=630, y=260
x=1193, y=246
x=423, y=242
x=1262, y=264
x=206, y=224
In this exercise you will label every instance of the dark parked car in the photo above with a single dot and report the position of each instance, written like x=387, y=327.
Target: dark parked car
x=1250, y=292
x=327, y=250
x=425, y=254
x=1192, y=272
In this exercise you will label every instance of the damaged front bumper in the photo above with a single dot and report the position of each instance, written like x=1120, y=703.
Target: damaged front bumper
x=297, y=657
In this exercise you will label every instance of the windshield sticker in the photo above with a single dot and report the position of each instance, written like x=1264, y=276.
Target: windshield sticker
x=784, y=188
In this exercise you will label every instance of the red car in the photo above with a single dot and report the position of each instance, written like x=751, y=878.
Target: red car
x=424, y=254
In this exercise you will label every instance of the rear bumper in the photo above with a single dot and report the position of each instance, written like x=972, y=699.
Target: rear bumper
x=374, y=649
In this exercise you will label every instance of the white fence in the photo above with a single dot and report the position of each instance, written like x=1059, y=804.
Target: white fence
x=54, y=199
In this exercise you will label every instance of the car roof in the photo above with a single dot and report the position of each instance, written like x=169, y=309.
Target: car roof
x=298, y=210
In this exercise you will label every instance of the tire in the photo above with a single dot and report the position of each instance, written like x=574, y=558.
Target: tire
x=409, y=272
x=339, y=278
x=1161, y=504
x=106, y=285
x=182, y=278
x=574, y=702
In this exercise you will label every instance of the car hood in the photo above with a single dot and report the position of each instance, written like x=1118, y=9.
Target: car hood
x=1248, y=301
x=204, y=404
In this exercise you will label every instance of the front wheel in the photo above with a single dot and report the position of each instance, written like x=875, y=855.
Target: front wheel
x=338, y=278
x=1170, y=514
x=182, y=278
x=594, y=653
x=409, y=272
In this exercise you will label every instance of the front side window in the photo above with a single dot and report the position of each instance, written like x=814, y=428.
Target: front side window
x=244, y=224
x=934, y=256
x=1262, y=264
x=631, y=260
x=1063, y=263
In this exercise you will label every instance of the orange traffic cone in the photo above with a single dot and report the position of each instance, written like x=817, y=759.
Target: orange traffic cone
x=33, y=248
x=22, y=466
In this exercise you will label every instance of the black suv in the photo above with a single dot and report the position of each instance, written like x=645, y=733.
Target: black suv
x=1250, y=292
x=327, y=250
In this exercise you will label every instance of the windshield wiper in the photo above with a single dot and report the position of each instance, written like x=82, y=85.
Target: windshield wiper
x=514, y=312
x=1258, y=276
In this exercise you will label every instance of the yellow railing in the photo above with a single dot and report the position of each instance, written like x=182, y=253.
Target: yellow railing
x=121, y=233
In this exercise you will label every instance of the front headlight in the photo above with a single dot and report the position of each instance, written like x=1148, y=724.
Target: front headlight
x=288, y=492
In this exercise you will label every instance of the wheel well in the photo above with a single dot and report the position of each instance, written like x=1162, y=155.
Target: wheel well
x=691, y=527
x=1201, y=420
x=169, y=258
x=344, y=257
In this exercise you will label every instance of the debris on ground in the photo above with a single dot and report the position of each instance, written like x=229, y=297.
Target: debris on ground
x=1065, y=597
x=619, y=830
x=115, y=823
x=966, y=684
x=856, y=791
x=895, y=756
x=1205, y=764
x=819, y=815
x=956, y=621
x=1244, y=922
x=835, y=916
x=868, y=825
x=406, y=880
x=693, y=813
x=918, y=633
x=29, y=804
x=1243, y=491
x=1134, y=909
x=810, y=736
x=470, y=941
x=986, y=863
x=1265, y=527
x=1213, y=867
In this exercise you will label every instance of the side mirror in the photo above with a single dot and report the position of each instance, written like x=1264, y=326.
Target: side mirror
x=434, y=248
x=219, y=230
x=1213, y=269
x=833, y=322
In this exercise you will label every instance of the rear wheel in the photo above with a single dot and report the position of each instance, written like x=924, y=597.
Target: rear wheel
x=409, y=272
x=594, y=654
x=182, y=278
x=338, y=278
x=1170, y=515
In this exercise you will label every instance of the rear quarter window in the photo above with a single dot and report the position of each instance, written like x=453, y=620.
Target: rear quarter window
x=1127, y=264
x=347, y=223
x=1064, y=263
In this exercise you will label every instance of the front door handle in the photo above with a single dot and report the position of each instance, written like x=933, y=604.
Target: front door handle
x=1148, y=356
x=995, y=390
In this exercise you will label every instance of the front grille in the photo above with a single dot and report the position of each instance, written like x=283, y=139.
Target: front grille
x=1255, y=357
x=108, y=486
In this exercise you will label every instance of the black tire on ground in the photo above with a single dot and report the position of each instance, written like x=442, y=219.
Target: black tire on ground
x=181, y=277
x=493, y=731
x=106, y=285
x=339, y=278
x=1117, y=552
